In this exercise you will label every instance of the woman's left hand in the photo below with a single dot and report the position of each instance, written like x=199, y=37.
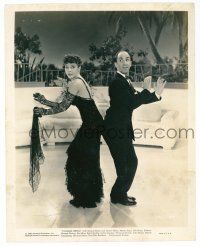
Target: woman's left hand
x=39, y=97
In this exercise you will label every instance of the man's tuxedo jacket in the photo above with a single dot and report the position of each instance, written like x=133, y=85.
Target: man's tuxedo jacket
x=123, y=100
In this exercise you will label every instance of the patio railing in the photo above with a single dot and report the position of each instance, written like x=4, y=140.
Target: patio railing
x=178, y=73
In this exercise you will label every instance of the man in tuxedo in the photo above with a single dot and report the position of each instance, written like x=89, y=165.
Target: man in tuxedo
x=118, y=125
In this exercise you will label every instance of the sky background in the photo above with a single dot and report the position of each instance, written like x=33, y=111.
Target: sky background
x=72, y=32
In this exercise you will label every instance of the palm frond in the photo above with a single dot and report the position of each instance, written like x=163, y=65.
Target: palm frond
x=33, y=63
x=114, y=16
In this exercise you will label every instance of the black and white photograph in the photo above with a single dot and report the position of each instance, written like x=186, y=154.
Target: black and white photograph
x=100, y=116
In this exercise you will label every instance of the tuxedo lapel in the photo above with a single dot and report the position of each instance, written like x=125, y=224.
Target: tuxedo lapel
x=122, y=79
x=132, y=88
x=126, y=83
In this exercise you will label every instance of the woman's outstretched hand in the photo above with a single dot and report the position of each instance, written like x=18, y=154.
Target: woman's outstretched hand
x=39, y=97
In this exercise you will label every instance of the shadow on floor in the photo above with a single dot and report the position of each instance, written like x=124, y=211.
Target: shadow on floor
x=73, y=217
x=122, y=216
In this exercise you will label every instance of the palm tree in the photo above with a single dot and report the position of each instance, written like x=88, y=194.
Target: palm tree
x=179, y=20
x=160, y=19
x=144, y=19
x=147, y=21
x=26, y=45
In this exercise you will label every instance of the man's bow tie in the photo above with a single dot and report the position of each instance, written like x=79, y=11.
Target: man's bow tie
x=128, y=77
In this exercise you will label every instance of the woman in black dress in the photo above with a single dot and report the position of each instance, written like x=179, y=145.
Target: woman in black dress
x=83, y=173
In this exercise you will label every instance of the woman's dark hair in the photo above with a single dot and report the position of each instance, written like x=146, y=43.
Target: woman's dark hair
x=72, y=59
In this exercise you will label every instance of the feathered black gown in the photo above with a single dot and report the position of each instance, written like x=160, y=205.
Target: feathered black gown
x=83, y=172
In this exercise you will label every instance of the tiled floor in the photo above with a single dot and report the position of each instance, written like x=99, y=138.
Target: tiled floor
x=160, y=186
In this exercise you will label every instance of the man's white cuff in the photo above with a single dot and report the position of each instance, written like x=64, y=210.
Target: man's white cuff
x=158, y=96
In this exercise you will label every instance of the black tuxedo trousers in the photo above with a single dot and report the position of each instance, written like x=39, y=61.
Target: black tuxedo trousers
x=125, y=160
x=118, y=132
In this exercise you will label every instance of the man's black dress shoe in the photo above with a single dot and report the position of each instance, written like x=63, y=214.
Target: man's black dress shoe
x=124, y=201
x=131, y=198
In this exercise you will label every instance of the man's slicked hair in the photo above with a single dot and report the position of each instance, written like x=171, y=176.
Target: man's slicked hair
x=116, y=55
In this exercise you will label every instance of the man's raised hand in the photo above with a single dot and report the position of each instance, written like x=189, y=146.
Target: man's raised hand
x=160, y=86
x=147, y=83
